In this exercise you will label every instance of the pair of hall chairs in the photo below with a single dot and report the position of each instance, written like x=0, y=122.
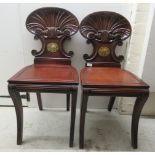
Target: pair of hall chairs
x=102, y=75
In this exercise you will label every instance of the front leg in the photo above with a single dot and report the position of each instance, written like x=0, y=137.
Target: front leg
x=84, y=99
x=15, y=95
x=140, y=101
x=73, y=114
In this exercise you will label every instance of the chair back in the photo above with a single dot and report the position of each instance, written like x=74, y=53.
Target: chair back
x=52, y=26
x=105, y=30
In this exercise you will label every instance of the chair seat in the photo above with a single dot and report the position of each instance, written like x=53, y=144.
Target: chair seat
x=46, y=73
x=109, y=77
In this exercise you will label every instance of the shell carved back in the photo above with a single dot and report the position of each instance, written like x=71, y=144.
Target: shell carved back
x=105, y=29
x=50, y=23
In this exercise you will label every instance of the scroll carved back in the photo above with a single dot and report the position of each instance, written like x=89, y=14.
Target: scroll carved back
x=105, y=30
x=52, y=26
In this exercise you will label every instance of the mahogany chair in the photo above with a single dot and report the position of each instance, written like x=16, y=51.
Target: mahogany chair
x=52, y=71
x=103, y=75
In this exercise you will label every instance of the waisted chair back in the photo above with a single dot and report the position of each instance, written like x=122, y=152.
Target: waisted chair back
x=105, y=30
x=52, y=26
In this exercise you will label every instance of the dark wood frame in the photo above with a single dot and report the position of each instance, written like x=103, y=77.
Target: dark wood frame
x=98, y=29
x=15, y=89
x=141, y=94
x=48, y=25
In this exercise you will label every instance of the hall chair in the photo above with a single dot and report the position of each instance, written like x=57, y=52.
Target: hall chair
x=52, y=71
x=102, y=74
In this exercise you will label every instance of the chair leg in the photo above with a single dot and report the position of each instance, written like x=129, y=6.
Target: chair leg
x=67, y=102
x=15, y=95
x=84, y=100
x=39, y=101
x=73, y=114
x=28, y=96
x=140, y=101
x=111, y=103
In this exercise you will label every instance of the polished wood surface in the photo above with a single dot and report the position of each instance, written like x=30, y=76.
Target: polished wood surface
x=104, y=30
x=109, y=77
x=103, y=75
x=52, y=26
x=52, y=71
x=46, y=73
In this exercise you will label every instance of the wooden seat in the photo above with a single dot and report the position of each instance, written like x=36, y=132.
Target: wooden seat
x=52, y=71
x=102, y=75
x=109, y=77
x=46, y=73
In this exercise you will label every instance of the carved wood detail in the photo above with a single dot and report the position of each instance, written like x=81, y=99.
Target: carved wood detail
x=52, y=71
x=108, y=30
x=52, y=26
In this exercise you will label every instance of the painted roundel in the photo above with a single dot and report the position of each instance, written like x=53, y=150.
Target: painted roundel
x=52, y=47
x=104, y=51
x=105, y=27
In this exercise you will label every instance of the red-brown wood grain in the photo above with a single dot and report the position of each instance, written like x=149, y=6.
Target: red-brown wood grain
x=107, y=30
x=109, y=76
x=46, y=73
x=52, y=71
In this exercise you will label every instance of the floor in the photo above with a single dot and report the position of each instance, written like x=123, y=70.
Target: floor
x=48, y=130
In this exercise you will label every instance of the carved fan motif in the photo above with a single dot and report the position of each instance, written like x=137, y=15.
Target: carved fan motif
x=105, y=27
x=52, y=23
x=105, y=30
x=52, y=26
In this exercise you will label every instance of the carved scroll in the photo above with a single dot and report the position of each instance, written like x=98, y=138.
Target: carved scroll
x=54, y=24
x=105, y=30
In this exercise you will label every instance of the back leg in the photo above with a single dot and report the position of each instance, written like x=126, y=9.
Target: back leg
x=28, y=96
x=111, y=103
x=67, y=102
x=39, y=101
